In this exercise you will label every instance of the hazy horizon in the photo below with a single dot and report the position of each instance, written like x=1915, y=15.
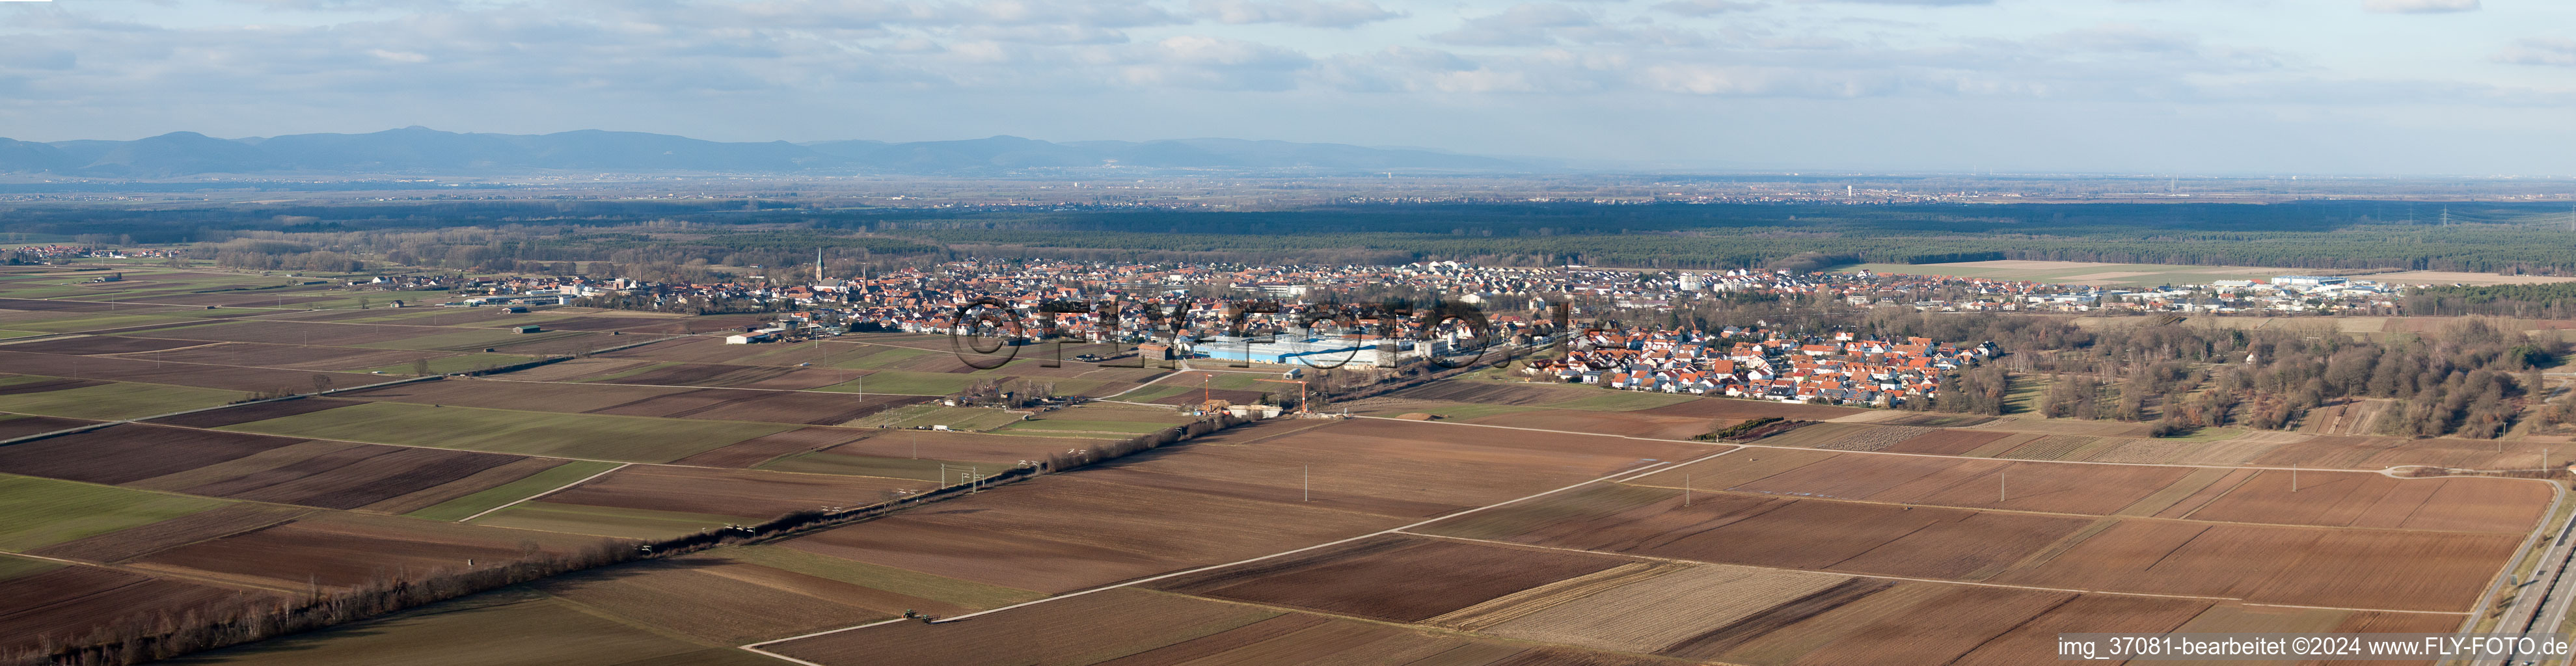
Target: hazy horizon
x=2328, y=87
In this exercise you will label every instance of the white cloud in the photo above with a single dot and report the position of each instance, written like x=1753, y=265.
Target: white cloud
x=977, y=67
x=1931, y=3
x=1707, y=7
x=2419, y=6
x=1551, y=24
x=2558, y=51
x=1309, y=13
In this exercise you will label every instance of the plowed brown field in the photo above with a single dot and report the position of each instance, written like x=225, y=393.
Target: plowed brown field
x=65, y=603
x=31, y=425
x=768, y=406
x=289, y=356
x=1391, y=578
x=100, y=344
x=2395, y=570
x=342, y=549
x=1392, y=468
x=514, y=395
x=749, y=494
x=127, y=453
x=1948, y=442
x=253, y=412
x=183, y=374
x=752, y=452
x=143, y=540
x=738, y=376
x=1634, y=424
x=1111, y=623
x=1067, y=532
x=2365, y=499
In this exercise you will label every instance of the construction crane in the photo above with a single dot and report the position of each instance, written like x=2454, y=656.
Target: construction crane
x=1301, y=391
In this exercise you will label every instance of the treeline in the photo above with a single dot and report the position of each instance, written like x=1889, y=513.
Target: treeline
x=654, y=251
x=146, y=637
x=2474, y=378
x=505, y=235
x=2538, y=301
x=2490, y=249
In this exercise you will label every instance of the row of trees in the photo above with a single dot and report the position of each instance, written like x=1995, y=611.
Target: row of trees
x=2543, y=301
x=2472, y=378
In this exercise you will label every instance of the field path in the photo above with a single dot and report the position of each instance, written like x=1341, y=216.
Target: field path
x=556, y=489
x=1922, y=580
x=2566, y=587
x=2391, y=472
x=1614, y=476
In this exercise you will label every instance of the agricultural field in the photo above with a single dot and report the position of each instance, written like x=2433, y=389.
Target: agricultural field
x=2051, y=525
x=1529, y=523
x=975, y=419
x=281, y=470
x=64, y=601
x=335, y=549
x=1354, y=578
x=107, y=401
x=1135, y=626
x=624, y=438
x=43, y=512
x=201, y=375
x=745, y=496
x=494, y=628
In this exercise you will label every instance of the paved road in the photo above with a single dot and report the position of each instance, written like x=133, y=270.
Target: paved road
x=2541, y=605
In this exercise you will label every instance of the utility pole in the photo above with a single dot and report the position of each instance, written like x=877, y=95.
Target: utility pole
x=2294, y=478
x=1686, y=489
x=2003, y=491
x=1307, y=477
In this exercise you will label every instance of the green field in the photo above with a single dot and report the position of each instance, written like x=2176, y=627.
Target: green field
x=416, y=315
x=625, y=438
x=549, y=479
x=1459, y=410
x=46, y=511
x=111, y=402
x=906, y=382
x=604, y=521
x=1153, y=393
x=630, y=372
x=2023, y=396
x=91, y=321
x=956, y=418
x=1087, y=426
x=452, y=364
x=468, y=340
x=13, y=567
x=900, y=581
x=1625, y=401
x=875, y=357
x=924, y=469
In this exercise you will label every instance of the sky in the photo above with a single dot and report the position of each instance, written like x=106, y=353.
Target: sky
x=2222, y=87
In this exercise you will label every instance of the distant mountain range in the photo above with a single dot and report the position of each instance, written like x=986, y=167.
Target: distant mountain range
x=427, y=152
